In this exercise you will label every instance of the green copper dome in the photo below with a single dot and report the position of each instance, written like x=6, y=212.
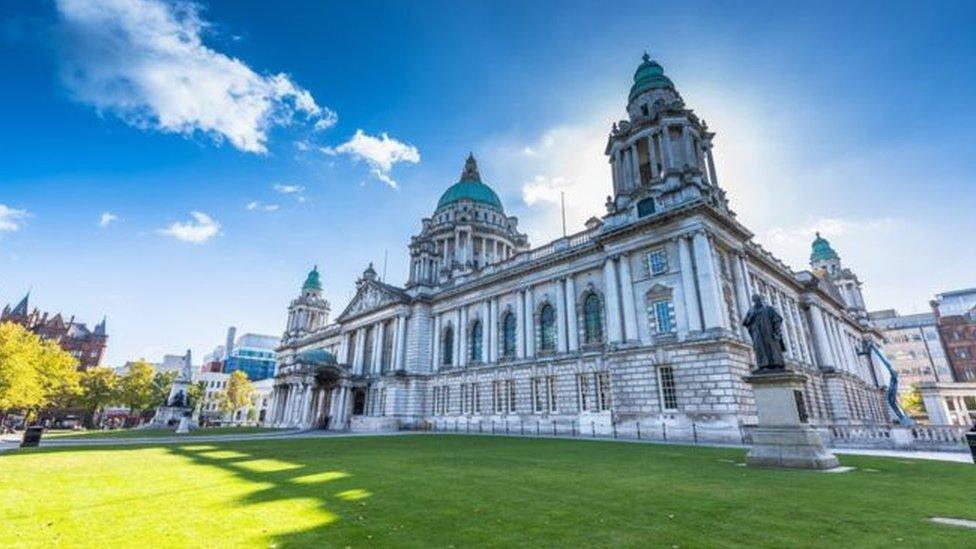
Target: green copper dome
x=470, y=188
x=317, y=357
x=312, y=282
x=822, y=250
x=649, y=76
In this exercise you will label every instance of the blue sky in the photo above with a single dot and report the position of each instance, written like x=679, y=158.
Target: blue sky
x=235, y=144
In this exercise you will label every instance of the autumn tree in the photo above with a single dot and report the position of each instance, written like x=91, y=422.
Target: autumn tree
x=237, y=394
x=59, y=377
x=99, y=388
x=136, y=386
x=34, y=374
x=912, y=401
x=162, y=383
x=194, y=394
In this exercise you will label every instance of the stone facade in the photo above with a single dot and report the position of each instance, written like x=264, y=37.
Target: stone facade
x=635, y=319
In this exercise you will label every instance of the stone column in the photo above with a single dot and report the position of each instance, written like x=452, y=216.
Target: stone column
x=742, y=287
x=711, y=301
x=689, y=287
x=821, y=344
x=711, y=166
x=666, y=147
x=462, y=337
x=520, y=324
x=378, y=329
x=690, y=156
x=613, y=300
x=561, y=314
x=571, y=324
x=529, y=323
x=627, y=300
x=635, y=166
x=401, y=347
x=486, y=331
x=436, y=351
x=495, y=328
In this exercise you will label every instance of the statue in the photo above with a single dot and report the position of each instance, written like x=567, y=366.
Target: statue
x=179, y=400
x=765, y=326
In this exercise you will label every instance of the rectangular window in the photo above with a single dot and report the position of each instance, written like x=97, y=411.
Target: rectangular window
x=657, y=262
x=583, y=392
x=663, y=313
x=603, y=391
x=668, y=392
x=553, y=396
x=446, y=401
x=511, y=395
x=537, y=395
x=436, y=400
x=464, y=398
x=496, y=397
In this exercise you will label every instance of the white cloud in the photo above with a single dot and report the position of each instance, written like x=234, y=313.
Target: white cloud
x=288, y=189
x=11, y=218
x=106, y=219
x=145, y=62
x=198, y=230
x=380, y=153
x=256, y=205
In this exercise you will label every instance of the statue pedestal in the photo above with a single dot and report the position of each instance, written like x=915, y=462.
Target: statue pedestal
x=184, y=427
x=783, y=438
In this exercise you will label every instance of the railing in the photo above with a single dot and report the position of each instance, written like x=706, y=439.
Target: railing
x=565, y=243
x=918, y=437
x=650, y=431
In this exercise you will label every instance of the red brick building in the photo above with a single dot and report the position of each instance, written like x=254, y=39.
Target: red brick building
x=74, y=337
x=955, y=314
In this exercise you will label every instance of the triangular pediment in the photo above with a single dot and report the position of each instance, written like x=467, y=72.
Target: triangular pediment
x=371, y=296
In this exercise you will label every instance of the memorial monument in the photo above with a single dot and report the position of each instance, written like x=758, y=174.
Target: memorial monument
x=782, y=438
x=177, y=408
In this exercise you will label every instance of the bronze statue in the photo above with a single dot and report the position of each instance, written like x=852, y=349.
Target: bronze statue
x=765, y=326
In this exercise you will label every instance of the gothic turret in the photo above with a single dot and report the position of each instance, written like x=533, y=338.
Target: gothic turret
x=661, y=156
x=309, y=312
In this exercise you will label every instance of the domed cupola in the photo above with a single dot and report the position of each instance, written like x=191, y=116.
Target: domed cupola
x=468, y=232
x=470, y=187
x=649, y=76
x=822, y=252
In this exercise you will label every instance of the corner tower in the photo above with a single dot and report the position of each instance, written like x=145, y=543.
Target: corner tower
x=826, y=264
x=661, y=156
x=468, y=231
x=309, y=311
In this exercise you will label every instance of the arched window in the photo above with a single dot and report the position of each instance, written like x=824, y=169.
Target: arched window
x=447, y=351
x=476, y=333
x=508, y=335
x=592, y=319
x=547, y=328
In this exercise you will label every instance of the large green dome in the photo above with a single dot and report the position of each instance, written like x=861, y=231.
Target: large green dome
x=822, y=250
x=312, y=282
x=470, y=188
x=649, y=75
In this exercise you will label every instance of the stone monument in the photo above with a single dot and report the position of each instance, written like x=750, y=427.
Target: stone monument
x=782, y=438
x=177, y=407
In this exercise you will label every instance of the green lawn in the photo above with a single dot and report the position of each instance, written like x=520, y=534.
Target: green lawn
x=462, y=491
x=154, y=432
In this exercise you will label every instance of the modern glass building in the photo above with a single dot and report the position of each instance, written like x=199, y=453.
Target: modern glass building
x=253, y=354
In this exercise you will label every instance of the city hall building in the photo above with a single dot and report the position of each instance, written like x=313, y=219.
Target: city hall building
x=635, y=319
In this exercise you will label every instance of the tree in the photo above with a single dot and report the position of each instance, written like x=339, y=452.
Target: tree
x=58, y=375
x=20, y=387
x=136, y=386
x=162, y=383
x=194, y=394
x=912, y=402
x=99, y=388
x=238, y=393
x=34, y=373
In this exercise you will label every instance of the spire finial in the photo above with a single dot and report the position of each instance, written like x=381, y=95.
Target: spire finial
x=471, y=169
x=646, y=57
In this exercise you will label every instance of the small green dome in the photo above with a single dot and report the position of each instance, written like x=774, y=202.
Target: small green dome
x=470, y=188
x=317, y=357
x=312, y=282
x=649, y=76
x=822, y=250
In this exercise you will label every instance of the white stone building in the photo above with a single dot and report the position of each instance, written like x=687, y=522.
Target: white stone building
x=635, y=319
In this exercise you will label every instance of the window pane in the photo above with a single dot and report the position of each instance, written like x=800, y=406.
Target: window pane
x=547, y=321
x=592, y=321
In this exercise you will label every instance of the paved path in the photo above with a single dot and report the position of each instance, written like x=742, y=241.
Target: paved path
x=7, y=443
